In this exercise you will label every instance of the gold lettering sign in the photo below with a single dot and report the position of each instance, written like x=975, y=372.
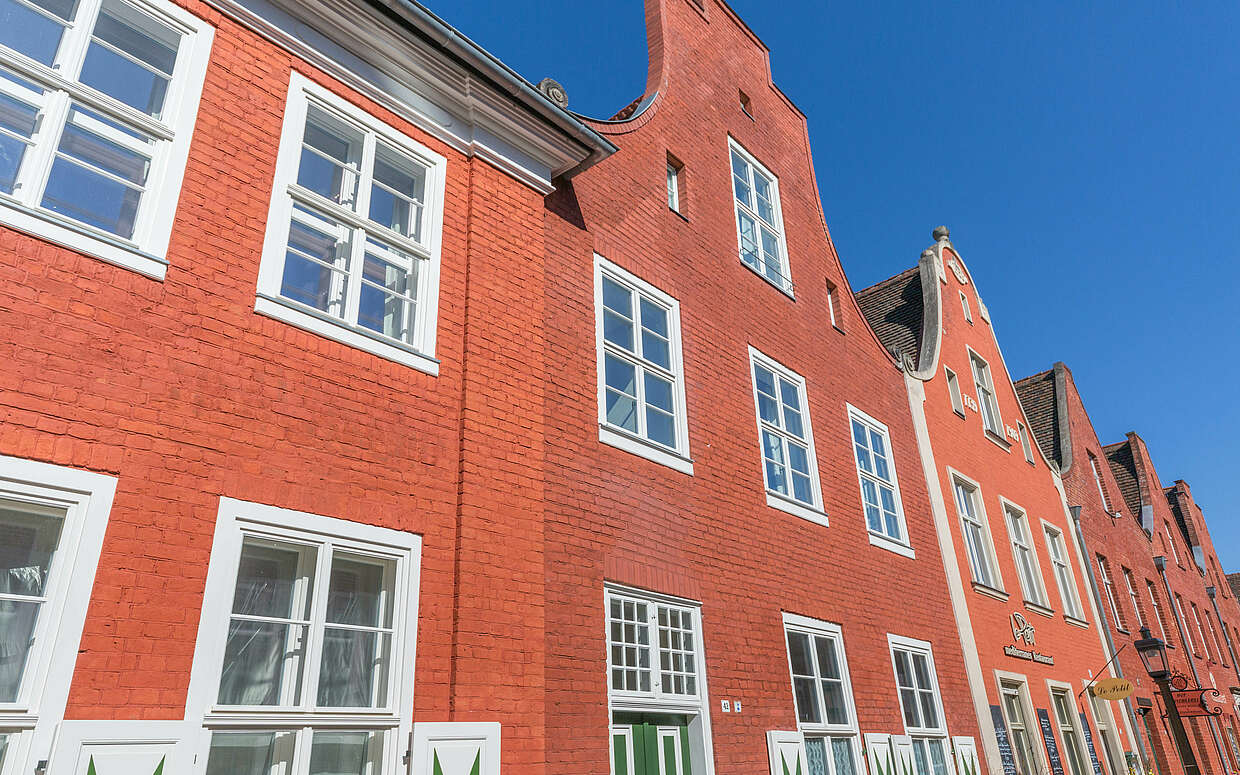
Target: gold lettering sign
x=1113, y=689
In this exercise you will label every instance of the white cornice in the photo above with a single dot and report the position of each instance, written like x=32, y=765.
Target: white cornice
x=353, y=43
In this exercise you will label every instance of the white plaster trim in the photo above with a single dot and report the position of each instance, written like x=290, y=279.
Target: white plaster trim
x=883, y=542
x=642, y=448
x=97, y=736
x=430, y=735
x=916, y=390
x=785, y=504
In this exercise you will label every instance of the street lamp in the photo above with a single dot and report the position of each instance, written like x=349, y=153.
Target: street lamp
x=1153, y=652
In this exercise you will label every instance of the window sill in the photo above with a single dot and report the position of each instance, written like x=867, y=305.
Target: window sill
x=959, y=413
x=998, y=440
x=1039, y=609
x=642, y=448
x=1075, y=622
x=83, y=239
x=891, y=545
x=785, y=291
x=330, y=328
x=837, y=328
x=989, y=591
x=795, y=508
x=678, y=214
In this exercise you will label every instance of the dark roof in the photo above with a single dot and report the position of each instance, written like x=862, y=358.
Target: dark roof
x=1233, y=581
x=1173, y=501
x=1037, y=398
x=893, y=309
x=1125, y=470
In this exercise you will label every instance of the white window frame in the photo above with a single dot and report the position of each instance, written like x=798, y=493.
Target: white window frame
x=988, y=548
x=698, y=708
x=673, y=187
x=812, y=512
x=953, y=390
x=1019, y=683
x=984, y=387
x=1102, y=491
x=832, y=305
x=1026, y=443
x=677, y=458
x=1132, y=595
x=1034, y=590
x=1177, y=601
x=86, y=499
x=1074, y=723
x=1109, y=739
x=1069, y=595
x=418, y=354
x=850, y=729
x=902, y=544
x=940, y=732
x=1201, y=631
x=146, y=251
x=964, y=304
x=235, y=521
x=1175, y=555
x=785, y=283
x=1108, y=588
x=1218, y=644
x=1157, y=609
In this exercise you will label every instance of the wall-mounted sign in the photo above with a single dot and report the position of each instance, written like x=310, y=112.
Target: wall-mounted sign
x=1005, y=744
x=1089, y=744
x=1023, y=632
x=1113, y=689
x=1198, y=702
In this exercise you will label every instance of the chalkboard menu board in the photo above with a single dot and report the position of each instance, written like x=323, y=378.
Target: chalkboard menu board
x=1005, y=745
x=1048, y=737
x=1089, y=741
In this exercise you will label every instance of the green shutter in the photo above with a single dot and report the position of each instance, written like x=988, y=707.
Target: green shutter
x=619, y=755
x=649, y=763
x=684, y=749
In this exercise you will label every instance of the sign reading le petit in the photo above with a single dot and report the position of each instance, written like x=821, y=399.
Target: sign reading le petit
x=1022, y=631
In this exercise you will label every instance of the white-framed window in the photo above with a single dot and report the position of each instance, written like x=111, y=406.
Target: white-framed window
x=98, y=100
x=354, y=230
x=1069, y=730
x=833, y=306
x=1026, y=442
x=985, y=387
x=1063, y=572
x=1178, y=602
x=880, y=490
x=1022, y=730
x=953, y=390
x=920, y=703
x=1108, y=589
x=641, y=379
x=673, y=184
x=52, y=522
x=1157, y=609
x=789, y=465
x=305, y=652
x=1102, y=490
x=1175, y=555
x=1112, y=751
x=1201, y=632
x=1132, y=596
x=822, y=693
x=1025, y=554
x=656, y=682
x=977, y=541
x=964, y=305
x=759, y=222
x=1218, y=644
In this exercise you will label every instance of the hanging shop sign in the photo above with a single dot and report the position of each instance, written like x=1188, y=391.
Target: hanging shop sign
x=1113, y=689
x=1198, y=702
x=1023, y=633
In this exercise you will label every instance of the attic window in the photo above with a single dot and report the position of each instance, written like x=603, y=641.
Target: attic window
x=745, y=103
x=833, y=306
x=675, y=184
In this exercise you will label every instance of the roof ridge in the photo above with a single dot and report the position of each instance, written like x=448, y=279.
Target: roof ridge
x=889, y=280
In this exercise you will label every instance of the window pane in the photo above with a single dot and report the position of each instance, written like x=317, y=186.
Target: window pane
x=762, y=190
x=17, y=621
x=20, y=118
x=345, y=752
x=654, y=318
x=34, y=34
x=908, y=701
x=315, y=265
x=828, y=661
x=833, y=698
x=397, y=196
x=660, y=427
x=929, y=715
x=274, y=580
x=904, y=674
x=938, y=760
x=773, y=453
x=842, y=755
x=816, y=756
x=354, y=670
x=798, y=654
x=621, y=380
x=29, y=535
x=806, y=700
x=749, y=239
x=656, y=349
x=385, y=301
x=879, y=445
x=141, y=84
x=329, y=158
x=767, y=406
x=360, y=591
x=262, y=664
x=250, y=753
x=106, y=196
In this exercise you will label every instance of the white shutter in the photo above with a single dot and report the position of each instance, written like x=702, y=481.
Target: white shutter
x=787, y=753
x=966, y=756
x=905, y=760
x=879, y=754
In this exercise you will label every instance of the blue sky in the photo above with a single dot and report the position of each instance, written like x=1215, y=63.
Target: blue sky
x=1085, y=156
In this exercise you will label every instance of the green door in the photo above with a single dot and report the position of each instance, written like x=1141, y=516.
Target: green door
x=651, y=746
